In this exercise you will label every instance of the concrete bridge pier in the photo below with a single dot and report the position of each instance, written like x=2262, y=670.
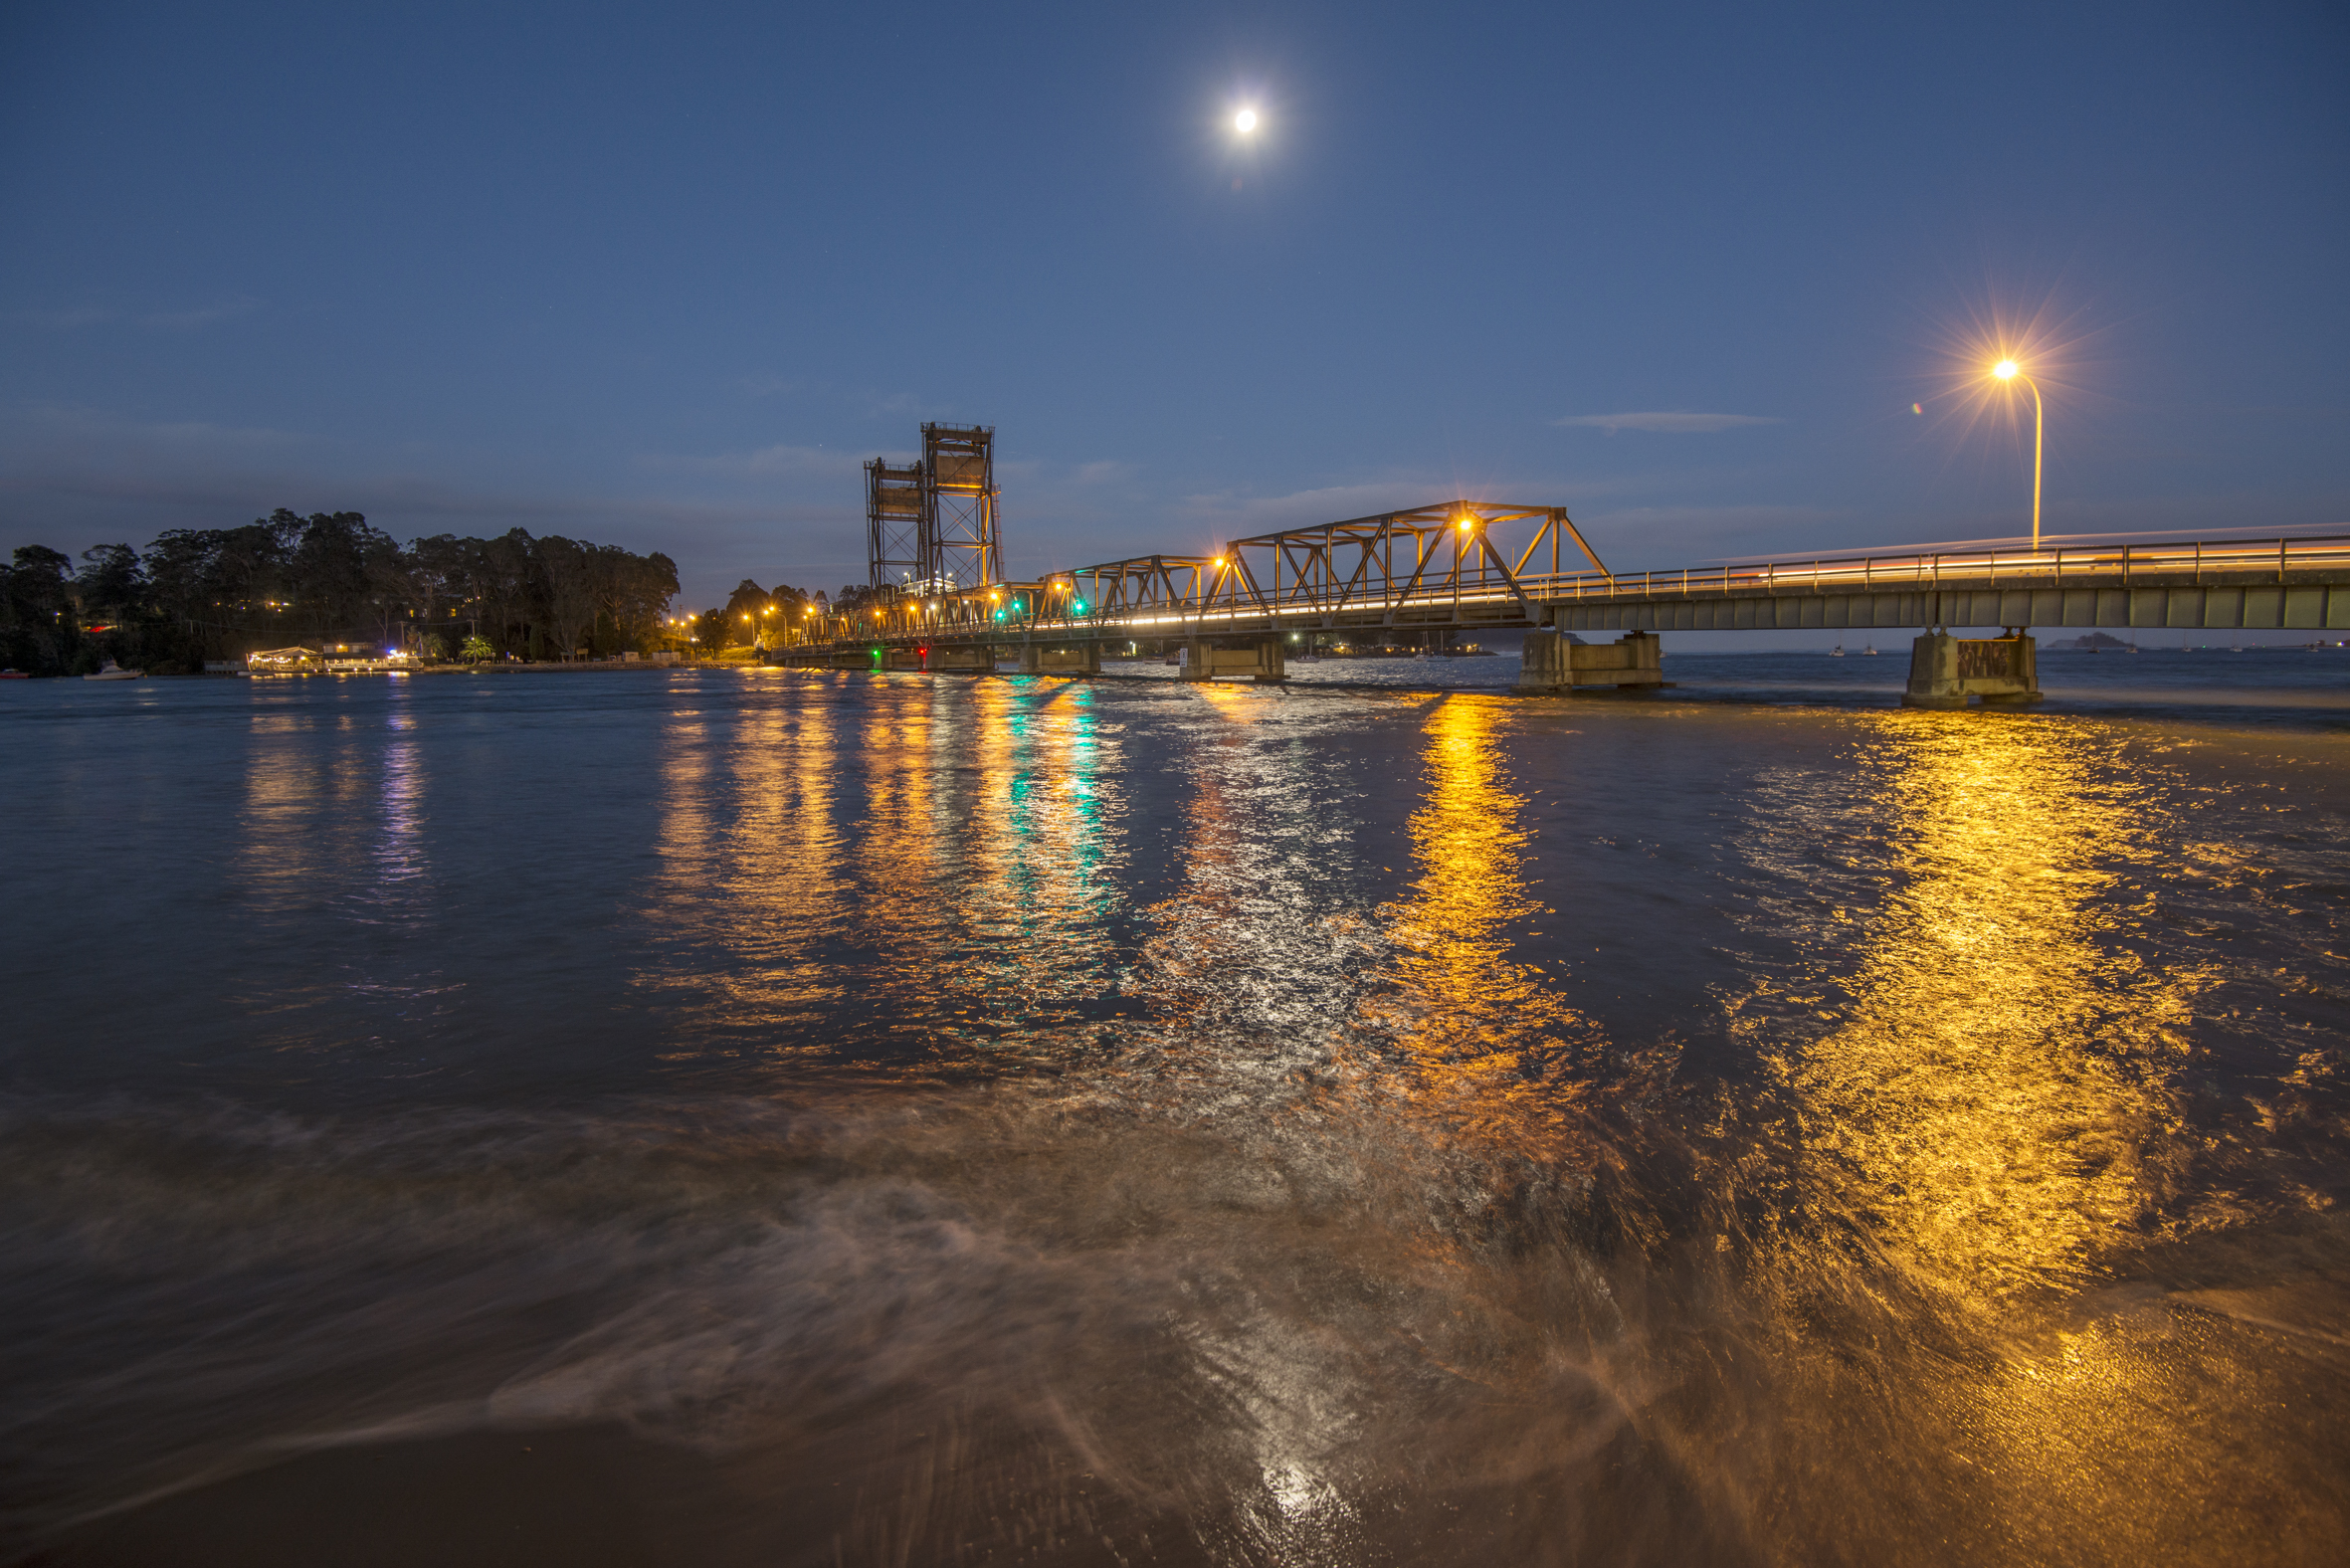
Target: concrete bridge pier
x=1554, y=664
x=1079, y=659
x=967, y=661
x=1267, y=659
x=1947, y=672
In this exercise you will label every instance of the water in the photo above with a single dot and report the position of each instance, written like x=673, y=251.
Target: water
x=2298, y=685
x=789, y=1117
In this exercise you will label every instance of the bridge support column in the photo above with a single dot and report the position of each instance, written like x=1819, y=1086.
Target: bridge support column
x=1553, y=663
x=1265, y=660
x=1947, y=672
x=1079, y=659
x=969, y=661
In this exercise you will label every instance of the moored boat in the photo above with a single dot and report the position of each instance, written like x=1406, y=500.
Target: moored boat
x=112, y=670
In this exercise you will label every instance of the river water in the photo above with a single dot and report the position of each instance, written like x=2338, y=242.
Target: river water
x=789, y=1117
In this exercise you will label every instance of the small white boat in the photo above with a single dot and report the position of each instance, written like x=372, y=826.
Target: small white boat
x=1869, y=652
x=114, y=671
x=1838, y=652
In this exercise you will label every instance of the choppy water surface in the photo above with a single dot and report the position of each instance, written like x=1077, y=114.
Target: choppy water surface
x=785, y=1117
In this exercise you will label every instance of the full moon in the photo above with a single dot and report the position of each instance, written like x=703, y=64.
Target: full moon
x=1245, y=121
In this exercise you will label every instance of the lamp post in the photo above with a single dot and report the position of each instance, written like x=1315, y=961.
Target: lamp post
x=2009, y=370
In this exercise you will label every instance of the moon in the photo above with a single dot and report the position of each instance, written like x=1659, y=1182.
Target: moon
x=1245, y=121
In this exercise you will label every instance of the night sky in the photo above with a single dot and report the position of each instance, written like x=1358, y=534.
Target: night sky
x=665, y=276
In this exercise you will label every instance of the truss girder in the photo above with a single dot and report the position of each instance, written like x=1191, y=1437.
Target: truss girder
x=1451, y=553
x=1420, y=566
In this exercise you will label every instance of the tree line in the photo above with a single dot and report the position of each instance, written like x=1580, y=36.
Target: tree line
x=205, y=594
x=753, y=616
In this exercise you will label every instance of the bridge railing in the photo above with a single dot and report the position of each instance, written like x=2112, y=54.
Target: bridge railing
x=1209, y=590
x=2279, y=559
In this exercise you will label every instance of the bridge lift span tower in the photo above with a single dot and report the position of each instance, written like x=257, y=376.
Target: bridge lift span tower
x=967, y=548
x=900, y=524
x=930, y=526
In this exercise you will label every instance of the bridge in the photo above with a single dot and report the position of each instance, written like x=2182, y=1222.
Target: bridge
x=1435, y=572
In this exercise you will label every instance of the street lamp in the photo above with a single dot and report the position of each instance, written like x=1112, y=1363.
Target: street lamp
x=2009, y=370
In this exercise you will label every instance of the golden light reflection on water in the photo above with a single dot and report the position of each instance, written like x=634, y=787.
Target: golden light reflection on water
x=1480, y=1025
x=749, y=863
x=893, y=756
x=1981, y=1103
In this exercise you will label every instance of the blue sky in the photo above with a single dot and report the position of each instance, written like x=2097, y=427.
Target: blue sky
x=665, y=276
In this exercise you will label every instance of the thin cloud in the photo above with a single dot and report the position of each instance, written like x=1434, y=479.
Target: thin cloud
x=1236, y=515
x=161, y=320
x=66, y=320
x=190, y=320
x=767, y=462
x=1665, y=423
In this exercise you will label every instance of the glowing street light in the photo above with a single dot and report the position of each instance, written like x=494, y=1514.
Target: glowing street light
x=2009, y=370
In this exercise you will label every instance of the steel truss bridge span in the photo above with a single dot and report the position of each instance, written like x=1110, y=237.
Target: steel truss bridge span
x=1467, y=565
x=1458, y=564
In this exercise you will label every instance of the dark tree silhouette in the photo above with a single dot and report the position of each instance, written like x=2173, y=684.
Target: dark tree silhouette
x=202, y=594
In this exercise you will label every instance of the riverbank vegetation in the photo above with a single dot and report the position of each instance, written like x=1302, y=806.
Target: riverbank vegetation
x=206, y=594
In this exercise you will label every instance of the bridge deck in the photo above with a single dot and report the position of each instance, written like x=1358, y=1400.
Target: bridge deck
x=1446, y=567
